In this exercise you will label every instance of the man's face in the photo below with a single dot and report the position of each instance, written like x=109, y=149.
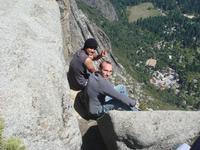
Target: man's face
x=91, y=52
x=106, y=70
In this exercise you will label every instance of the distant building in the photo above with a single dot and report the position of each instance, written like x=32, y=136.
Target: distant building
x=188, y=16
x=151, y=62
x=165, y=79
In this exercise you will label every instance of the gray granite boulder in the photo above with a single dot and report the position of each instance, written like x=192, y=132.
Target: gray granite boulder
x=149, y=130
x=34, y=101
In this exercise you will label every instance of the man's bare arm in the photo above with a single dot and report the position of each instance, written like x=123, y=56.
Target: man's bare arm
x=89, y=64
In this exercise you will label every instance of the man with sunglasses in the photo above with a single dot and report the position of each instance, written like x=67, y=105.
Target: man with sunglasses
x=82, y=65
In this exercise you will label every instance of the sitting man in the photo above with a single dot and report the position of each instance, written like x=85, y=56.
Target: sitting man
x=93, y=98
x=81, y=65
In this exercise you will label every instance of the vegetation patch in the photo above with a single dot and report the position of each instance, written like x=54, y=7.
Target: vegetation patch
x=141, y=11
x=10, y=144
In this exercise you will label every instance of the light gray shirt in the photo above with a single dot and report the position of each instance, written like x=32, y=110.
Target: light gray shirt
x=96, y=90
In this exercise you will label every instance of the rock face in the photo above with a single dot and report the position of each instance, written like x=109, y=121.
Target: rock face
x=77, y=28
x=34, y=102
x=105, y=7
x=148, y=130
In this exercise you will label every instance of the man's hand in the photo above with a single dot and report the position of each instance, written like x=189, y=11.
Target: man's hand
x=137, y=104
x=103, y=53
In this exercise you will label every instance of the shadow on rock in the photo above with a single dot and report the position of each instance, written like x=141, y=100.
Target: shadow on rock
x=92, y=139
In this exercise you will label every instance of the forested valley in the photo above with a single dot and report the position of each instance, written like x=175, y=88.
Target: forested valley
x=172, y=38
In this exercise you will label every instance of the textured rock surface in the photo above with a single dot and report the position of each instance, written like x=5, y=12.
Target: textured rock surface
x=64, y=6
x=77, y=28
x=105, y=7
x=149, y=130
x=34, y=102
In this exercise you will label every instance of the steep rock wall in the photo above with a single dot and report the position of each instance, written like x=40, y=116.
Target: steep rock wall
x=105, y=7
x=34, y=101
x=77, y=28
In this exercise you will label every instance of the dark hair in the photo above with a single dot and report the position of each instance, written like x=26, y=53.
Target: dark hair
x=90, y=43
x=105, y=61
